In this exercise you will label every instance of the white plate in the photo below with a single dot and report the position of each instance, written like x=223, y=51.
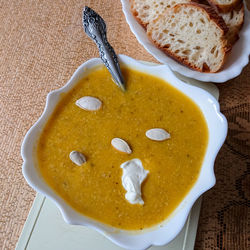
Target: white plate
x=236, y=61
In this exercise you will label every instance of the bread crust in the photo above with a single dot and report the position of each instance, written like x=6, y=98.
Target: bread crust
x=135, y=14
x=213, y=17
x=232, y=38
x=224, y=8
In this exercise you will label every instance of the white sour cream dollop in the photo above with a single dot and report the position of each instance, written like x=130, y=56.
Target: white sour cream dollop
x=133, y=176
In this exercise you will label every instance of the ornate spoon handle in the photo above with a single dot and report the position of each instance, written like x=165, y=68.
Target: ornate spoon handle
x=95, y=28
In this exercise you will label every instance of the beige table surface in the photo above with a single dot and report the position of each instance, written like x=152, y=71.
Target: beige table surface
x=41, y=45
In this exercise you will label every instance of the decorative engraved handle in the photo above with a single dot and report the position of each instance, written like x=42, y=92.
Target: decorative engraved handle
x=95, y=28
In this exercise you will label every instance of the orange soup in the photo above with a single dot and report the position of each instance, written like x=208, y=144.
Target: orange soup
x=95, y=188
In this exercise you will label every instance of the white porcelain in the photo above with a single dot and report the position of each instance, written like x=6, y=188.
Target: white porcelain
x=167, y=230
x=236, y=61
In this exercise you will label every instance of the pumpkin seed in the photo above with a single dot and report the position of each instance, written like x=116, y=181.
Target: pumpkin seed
x=157, y=134
x=121, y=145
x=89, y=103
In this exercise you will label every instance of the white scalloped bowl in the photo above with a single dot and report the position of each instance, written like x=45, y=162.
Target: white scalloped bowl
x=168, y=229
x=236, y=61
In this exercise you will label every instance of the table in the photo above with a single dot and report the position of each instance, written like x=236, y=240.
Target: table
x=41, y=45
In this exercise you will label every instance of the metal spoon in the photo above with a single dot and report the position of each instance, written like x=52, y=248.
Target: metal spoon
x=95, y=28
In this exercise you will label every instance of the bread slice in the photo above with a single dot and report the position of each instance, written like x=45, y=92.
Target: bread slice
x=225, y=5
x=234, y=21
x=145, y=11
x=193, y=34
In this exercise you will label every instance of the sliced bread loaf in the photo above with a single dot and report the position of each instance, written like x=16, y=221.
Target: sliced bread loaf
x=225, y=5
x=192, y=34
x=145, y=11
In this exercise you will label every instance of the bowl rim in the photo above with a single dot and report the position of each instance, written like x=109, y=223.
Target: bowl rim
x=166, y=231
x=235, y=61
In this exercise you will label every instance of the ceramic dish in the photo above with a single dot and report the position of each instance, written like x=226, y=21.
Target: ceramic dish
x=236, y=61
x=168, y=229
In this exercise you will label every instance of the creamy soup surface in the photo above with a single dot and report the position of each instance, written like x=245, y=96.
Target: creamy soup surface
x=95, y=188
